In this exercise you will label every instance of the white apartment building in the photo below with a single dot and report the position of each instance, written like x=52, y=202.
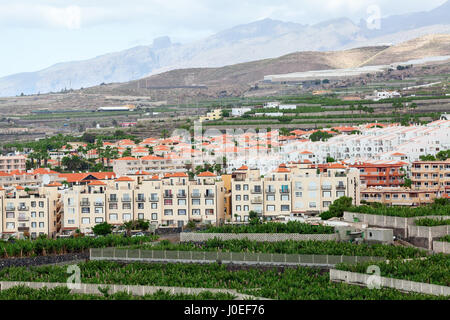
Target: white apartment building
x=237, y=112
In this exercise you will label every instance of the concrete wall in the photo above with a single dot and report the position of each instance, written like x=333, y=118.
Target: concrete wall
x=85, y=288
x=113, y=254
x=260, y=237
x=403, y=285
x=424, y=236
x=441, y=247
x=402, y=226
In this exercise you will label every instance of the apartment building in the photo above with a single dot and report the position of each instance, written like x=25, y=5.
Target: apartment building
x=291, y=190
x=172, y=200
x=30, y=212
x=13, y=162
x=152, y=164
x=431, y=175
x=399, y=196
x=28, y=178
x=381, y=173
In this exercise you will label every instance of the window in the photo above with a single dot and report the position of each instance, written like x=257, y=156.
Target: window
x=270, y=197
x=126, y=206
x=154, y=216
x=298, y=194
x=238, y=197
x=140, y=206
x=181, y=212
x=312, y=205
x=238, y=187
x=238, y=208
x=98, y=220
x=33, y=225
x=41, y=225
x=246, y=197
x=41, y=214
x=126, y=216
x=298, y=185
x=285, y=208
x=85, y=221
x=246, y=208
x=10, y=225
x=168, y=212
x=168, y=202
x=195, y=212
x=284, y=197
x=99, y=210
x=181, y=202
x=70, y=221
x=85, y=210
x=246, y=218
x=245, y=187
x=113, y=217
x=70, y=201
x=340, y=194
x=209, y=212
x=327, y=194
x=270, y=208
x=209, y=202
x=41, y=204
x=326, y=204
x=10, y=215
x=154, y=206
x=195, y=202
x=33, y=204
x=33, y=213
x=113, y=206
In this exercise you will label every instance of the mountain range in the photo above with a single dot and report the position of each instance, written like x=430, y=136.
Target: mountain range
x=258, y=40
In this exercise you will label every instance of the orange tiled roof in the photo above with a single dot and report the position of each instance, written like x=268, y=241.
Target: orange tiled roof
x=206, y=174
x=78, y=177
x=124, y=179
x=97, y=183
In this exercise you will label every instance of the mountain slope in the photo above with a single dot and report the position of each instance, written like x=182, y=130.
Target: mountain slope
x=254, y=41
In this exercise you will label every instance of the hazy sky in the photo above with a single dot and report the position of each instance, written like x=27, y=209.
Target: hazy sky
x=35, y=34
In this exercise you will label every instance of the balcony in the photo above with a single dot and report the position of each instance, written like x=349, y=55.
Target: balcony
x=113, y=200
x=209, y=195
x=285, y=190
x=181, y=195
x=326, y=187
x=256, y=191
x=270, y=191
x=140, y=199
x=340, y=187
x=126, y=199
x=23, y=208
x=23, y=217
x=196, y=195
x=10, y=208
x=85, y=203
x=154, y=199
x=257, y=201
x=168, y=195
x=99, y=203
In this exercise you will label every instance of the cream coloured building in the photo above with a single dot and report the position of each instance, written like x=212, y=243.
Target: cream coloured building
x=31, y=212
x=172, y=201
x=297, y=189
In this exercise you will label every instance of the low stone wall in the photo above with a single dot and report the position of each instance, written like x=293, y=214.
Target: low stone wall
x=43, y=260
x=88, y=288
x=127, y=255
x=441, y=247
x=403, y=285
x=260, y=237
x=162, y=231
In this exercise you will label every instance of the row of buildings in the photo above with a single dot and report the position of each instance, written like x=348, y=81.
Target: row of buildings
x=81, y=200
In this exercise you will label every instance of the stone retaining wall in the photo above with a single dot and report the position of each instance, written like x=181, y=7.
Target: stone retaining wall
x=260, y=237
x=403, y=285
x=137, y=255
x=88, y=288
x=424, y=236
